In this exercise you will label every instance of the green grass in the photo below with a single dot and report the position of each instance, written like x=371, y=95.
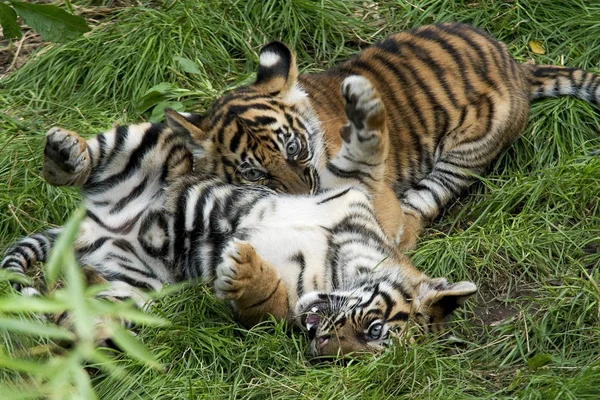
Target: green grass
x=521, y=234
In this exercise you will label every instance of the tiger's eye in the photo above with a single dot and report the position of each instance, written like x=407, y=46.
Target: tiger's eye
x=375, y=330
x=253, y=174
x=293, y=148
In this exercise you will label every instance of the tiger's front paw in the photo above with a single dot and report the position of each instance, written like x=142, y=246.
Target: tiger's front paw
x=66, y=158
x=365, y=134
x=237, y=270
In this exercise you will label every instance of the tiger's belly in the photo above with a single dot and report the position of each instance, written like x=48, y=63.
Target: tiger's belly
x=300, y=256
x=319, y=242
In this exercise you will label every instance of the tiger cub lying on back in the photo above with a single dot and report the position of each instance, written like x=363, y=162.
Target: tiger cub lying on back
x=454, y=96
x=322, y=262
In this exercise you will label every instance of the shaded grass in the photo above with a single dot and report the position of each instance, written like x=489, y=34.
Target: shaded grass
x=520, y=234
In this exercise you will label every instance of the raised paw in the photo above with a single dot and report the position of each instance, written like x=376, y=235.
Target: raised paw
x=240, y=265
x=365, y=112
x=66, y=158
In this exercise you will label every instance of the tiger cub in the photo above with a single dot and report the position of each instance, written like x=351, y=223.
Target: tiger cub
x=455, y=98
x=321, y=262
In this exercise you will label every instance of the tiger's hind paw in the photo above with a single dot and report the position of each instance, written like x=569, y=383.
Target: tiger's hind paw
x=365, y=136
x=66, y=158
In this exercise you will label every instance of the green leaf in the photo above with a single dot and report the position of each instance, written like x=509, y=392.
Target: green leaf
x=31, y=367
x=21, y=303
x=126, y=341
x=8, y=20
x=107, y=364
x=83, y=384
x=158, y=113
x=62, y=248
x=11, y=276
x=188, y=65
x=139, y=317
x=63, y=257
x=539, y=360
x=25, y=393
x=53, y=23
x=125, y=310
x=154, y=95
x=36, y=328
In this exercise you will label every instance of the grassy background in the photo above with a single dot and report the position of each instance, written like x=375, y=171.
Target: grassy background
x=529, y=234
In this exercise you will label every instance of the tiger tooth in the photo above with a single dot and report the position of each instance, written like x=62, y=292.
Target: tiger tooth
x=314, y=309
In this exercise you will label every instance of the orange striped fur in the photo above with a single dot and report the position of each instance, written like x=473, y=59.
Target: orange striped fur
x=454, y=99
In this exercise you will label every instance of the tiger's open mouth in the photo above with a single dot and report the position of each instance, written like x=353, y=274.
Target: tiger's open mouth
x=311, y=317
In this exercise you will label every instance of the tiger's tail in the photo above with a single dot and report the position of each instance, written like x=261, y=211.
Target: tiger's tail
x=553, y=81
x=23, y=254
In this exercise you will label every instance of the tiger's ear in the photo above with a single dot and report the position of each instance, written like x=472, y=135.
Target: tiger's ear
x=185, y=123
x=189, y=126
x=277, y=71
x=439, y=298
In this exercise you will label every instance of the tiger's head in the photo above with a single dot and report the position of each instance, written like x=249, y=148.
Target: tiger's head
x=263, y=134
x=380, y=306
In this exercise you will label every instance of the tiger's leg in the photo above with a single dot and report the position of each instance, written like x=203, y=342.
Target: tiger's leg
x=66, y=158
x=253, y=286
x=459, y=163
x=115, y=291
x=365, y=148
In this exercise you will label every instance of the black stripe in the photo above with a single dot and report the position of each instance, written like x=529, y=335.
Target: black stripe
x=101, y=146
x=335, y=196
x=389, y=303
x=352, y=174
x=90, y=248
x=234, y=142
x=115, y=276
x=481, y=68
x=39, y=254
x=399, y=316
x=134, y=194
x=129, y=248
x=263, y=301
x=24, y=254
x=299, y=259
x=178, y=150
x=435, y=68
x=436, y=198
x=120, y=136
x=123, y=229
x=429, y=33
x=136, y=157
x=366, y=164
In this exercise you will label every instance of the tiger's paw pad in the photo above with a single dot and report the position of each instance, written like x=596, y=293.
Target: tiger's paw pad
x=365, y=112
x=66, y=159
x=236, y=271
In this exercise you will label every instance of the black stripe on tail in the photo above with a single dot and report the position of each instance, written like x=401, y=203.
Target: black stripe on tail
x=552, y=81
x=29, y=250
